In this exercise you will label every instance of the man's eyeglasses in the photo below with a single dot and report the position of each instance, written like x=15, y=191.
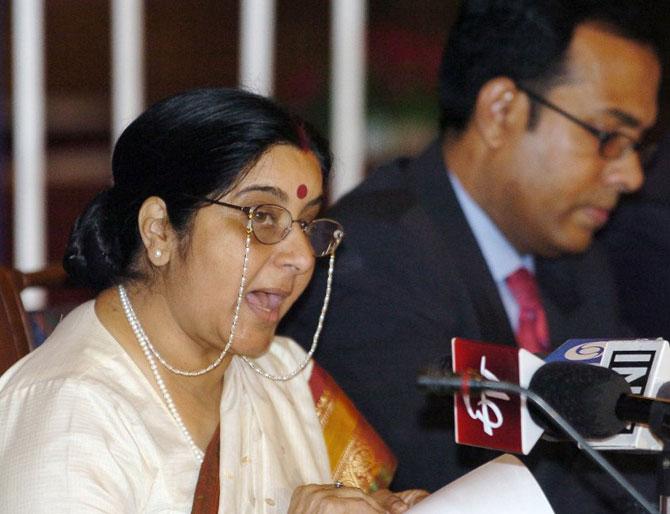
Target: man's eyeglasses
x=271, y=224
x=612, y=145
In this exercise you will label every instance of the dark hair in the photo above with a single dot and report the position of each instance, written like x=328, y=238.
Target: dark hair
x=193, y=145
x=525, y=40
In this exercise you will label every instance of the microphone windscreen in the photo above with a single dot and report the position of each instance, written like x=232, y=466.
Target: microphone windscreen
x=585, y=395
x=664, y=391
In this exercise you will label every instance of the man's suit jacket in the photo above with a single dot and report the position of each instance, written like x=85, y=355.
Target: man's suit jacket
x=409, y=276
x=638, y=244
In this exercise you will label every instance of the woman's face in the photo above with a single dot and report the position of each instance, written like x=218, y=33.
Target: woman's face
x=202, y=283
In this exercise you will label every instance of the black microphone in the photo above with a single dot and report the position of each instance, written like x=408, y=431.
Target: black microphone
x=445, y=382
x=596, y=401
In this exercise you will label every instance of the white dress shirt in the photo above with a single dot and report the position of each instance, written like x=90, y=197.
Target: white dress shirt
x=501, y=257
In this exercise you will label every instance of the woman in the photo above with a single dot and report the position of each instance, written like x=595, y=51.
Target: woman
x=206, y=239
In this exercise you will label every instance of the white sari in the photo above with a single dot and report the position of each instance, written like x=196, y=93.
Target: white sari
x=83, y=430
x=271, y=439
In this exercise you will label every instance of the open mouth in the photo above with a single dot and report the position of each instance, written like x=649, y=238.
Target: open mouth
x=266, y=304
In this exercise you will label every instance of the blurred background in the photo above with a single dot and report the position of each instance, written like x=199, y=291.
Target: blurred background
x=195, y=43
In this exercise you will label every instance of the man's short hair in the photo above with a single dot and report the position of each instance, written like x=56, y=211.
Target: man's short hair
x=527, y=41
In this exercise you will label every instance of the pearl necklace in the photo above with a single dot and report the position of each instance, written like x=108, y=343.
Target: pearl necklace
x=150, y=351
x=144, y=345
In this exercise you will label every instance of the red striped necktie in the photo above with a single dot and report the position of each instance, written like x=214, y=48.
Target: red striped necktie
x=533, y=331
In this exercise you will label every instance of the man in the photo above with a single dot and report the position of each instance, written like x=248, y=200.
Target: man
x=543, y=103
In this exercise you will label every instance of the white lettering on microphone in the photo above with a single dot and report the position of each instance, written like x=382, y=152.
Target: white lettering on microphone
x=487, y=412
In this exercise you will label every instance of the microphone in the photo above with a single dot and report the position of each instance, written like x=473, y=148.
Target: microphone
x=645, y=364
x=471, y=381
x=596, y=401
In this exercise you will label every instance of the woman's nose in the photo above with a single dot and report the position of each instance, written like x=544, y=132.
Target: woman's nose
x=295, y=251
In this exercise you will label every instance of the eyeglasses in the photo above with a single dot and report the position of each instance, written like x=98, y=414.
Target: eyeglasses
x=612, y=145
x=271, y=224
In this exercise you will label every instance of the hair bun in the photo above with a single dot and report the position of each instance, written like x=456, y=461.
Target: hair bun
x=92, y=255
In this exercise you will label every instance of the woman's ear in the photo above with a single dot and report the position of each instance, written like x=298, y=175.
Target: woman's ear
x=155, y=230
x=497, y=111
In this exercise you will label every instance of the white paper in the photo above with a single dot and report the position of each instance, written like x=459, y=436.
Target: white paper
x=503, y=485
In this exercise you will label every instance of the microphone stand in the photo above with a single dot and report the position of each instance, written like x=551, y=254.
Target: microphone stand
x=659, y=424
x=443, y=383
x=663, y=483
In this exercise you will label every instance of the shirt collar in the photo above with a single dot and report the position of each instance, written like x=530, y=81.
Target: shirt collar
x=499, y=254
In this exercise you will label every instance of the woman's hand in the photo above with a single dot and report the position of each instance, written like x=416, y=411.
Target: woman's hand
x=328, y=499
x=396, y=503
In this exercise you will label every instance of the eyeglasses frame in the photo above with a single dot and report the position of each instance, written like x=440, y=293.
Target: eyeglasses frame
x=249, y=211
x=603, y=136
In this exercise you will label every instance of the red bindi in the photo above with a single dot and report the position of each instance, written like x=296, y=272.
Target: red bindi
x=302, y=191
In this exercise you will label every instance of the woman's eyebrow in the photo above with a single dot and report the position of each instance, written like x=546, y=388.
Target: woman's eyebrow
x=316, y=201
x=274, y=191
x=278, y=193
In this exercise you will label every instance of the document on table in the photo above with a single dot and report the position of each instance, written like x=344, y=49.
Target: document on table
x=503, y=485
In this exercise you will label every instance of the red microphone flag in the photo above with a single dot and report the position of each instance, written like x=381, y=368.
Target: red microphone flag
x=493, y=419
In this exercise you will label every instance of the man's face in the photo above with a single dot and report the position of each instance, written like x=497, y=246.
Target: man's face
x=551, y=189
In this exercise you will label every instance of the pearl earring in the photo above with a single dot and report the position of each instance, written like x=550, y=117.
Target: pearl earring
x=158, y=253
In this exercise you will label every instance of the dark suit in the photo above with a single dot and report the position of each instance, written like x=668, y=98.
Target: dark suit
x=409, y=276
x=638, y=243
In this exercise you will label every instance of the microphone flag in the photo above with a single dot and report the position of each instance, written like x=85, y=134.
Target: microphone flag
x=644, y=363
x=493, y=419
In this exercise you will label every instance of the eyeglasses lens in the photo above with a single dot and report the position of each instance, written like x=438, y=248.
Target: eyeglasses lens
x=272, y=223
x=324, y=235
